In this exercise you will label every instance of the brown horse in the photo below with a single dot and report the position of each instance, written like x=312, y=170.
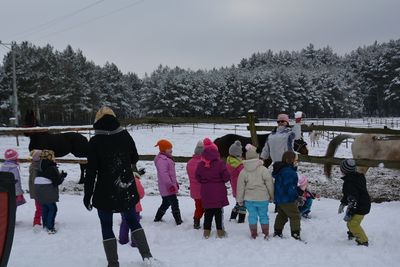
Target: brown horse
x=366, y=146
x=223, y=143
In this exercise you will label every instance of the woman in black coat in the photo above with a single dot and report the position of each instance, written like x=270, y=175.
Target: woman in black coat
x=109, y=183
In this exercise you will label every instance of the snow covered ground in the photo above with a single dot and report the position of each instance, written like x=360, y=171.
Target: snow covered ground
x=78, y=242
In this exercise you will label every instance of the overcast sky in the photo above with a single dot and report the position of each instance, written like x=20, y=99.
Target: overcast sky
x=138, y=35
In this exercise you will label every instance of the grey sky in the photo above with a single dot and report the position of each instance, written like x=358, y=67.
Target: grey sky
x=196, y=34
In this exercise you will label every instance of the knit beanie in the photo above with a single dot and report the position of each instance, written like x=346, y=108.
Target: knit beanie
x=35, y=154
x=348, y=166
x=208, y=144
x=164, y=145
x=283, y=117
x=251, y=152
x=10, y=154
x=47, y=154
x=103, y=111
x=303, y=182
x=236, y=149
x=199, y=148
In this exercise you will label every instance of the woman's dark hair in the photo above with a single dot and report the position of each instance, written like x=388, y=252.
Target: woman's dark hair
x=289, y=157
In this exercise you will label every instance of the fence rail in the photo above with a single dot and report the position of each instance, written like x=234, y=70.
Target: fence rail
x=303, y=158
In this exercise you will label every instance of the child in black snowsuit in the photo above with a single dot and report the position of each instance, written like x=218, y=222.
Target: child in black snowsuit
x=356, y=196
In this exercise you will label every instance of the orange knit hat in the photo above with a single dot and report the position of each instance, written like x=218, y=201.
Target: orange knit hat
x=163, y=145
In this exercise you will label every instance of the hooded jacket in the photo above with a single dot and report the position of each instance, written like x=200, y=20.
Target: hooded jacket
x=212, y=174
x=111, y=153
x=255, y=182
x=355, y=186
x=286, y=180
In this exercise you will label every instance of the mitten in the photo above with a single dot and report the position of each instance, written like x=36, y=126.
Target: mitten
x=347, y=217
x=341, y=208
x=297, y=116
x=172, y=189
x=87, y=202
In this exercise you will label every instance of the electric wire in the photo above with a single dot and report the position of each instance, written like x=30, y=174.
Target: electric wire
x=51, y=23
x=90, y=20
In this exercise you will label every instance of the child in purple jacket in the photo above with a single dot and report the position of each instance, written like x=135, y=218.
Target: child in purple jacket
x=167, y=183
x=11, y=165
x=212, y=174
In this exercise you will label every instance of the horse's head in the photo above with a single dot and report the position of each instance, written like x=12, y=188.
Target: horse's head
x=300, y=146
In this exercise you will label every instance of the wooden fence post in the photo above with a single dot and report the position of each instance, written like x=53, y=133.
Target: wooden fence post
x=252, y=125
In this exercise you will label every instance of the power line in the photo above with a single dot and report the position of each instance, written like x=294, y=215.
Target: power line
x=91, y=20
x=52, y=22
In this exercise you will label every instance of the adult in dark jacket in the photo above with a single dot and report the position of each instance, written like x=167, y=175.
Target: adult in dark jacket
x=286, y=195
x=109, y=183
x=356, y=197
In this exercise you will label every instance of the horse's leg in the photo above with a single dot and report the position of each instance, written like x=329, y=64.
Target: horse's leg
x=83, y=172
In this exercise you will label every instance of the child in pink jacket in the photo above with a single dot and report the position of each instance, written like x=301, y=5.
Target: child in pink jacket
x=124, y=227
x=234, y=165
x=195, y=186
x=167, y=183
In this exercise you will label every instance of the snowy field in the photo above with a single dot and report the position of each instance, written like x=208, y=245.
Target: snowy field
x=78, y=242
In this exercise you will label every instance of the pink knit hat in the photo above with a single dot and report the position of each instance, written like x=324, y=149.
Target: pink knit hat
x=208, y=144
x=283, y=117
x=10, y=154
x=303, y=182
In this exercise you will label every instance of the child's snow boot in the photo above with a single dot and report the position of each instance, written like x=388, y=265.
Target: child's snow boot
x=253, y=230
x=206, y=233
x=177, y=217
x=278, y=233
x=265, y=230
x=350, y=235
x=196, y=223
x=362, y=243
x=296, y=235
x=159, y=215
x=221, y=233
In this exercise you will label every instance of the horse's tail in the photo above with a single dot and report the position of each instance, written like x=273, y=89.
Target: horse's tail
x=330, y=152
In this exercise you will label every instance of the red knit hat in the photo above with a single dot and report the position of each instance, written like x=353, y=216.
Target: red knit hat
x=10, y=154
x=163, y=145
x=208, y=144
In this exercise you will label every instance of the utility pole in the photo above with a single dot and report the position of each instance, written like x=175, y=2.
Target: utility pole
x=15, y=91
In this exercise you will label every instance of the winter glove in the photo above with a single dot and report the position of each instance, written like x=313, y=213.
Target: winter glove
x=300, y=201
x=341, y=208
x=141, y=171
x=297, y=116
x=172, y=189
x=63, y=174
x=347, y=217
x=87, y=202
x=242, y=210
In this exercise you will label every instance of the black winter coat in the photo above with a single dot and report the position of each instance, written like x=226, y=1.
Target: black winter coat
x=48, y=193
x=355, y=186
x=111, y=153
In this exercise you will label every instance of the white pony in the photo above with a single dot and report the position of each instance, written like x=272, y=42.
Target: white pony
x=314, y=137
x=366, y=146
